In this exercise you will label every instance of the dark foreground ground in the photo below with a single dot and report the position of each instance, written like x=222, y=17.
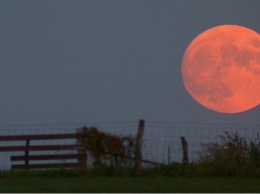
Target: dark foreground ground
x=128, y=184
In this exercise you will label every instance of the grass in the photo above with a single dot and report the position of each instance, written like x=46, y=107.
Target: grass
x=229, y=166
x=128, y=184
x=175, y=178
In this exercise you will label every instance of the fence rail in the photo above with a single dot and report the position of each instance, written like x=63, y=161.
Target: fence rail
x=161, y=143
x=81, y=147
x=28, y=148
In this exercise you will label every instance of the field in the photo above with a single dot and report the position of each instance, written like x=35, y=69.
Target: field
x=229, y=167
x=128, y=184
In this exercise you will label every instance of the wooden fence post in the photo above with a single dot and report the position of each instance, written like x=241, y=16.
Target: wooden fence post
x=185, y=150
x=82, y=150
x=26, y=154
x=138, y=148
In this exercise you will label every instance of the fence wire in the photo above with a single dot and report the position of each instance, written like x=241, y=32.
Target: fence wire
x=161, y=140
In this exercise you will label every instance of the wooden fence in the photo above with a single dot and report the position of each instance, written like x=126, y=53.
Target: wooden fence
x=26, y=157
x=76, y=151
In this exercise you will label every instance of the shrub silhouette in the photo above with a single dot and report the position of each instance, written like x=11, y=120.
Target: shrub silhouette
x=232, y=155
x=108, y=149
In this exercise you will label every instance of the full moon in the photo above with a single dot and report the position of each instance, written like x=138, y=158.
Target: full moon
x=221, y=69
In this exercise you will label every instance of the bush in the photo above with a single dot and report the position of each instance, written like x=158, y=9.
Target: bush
x=108, y=149
x=232, y=156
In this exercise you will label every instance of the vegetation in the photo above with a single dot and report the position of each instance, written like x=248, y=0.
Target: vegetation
x=105, y=147
x=230, y=165
x=87, y=184
x=232, y=156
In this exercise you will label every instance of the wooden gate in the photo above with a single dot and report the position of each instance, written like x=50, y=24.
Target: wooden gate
x=78, y=149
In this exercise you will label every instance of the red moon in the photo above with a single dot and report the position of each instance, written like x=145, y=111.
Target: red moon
x=221, y=69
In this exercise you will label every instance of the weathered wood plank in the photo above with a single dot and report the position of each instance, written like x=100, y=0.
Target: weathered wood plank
x=45, y=157
x=26, y=153
x=54, y=165
x=40, y=137
x=27, y=148
x=38, y=148
x=82, y=151
x=185, y=150
x=138, y=148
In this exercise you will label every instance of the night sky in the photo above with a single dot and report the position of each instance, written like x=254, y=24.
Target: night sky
x=95, y=61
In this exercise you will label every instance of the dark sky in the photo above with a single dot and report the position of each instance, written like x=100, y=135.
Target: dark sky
x=89, y=61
